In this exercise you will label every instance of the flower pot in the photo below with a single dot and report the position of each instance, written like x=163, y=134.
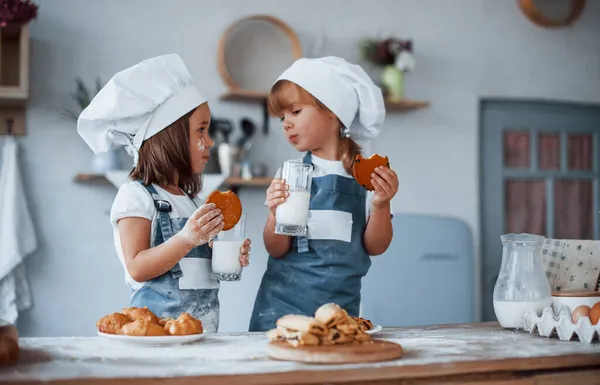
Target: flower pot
x=392, y=80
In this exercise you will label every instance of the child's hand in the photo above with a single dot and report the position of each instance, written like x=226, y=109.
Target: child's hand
x=245, y=253
x=203, y=225
x=276, y=194
x=385, y=181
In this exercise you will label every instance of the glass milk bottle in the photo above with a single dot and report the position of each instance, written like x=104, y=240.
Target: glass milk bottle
x=226, y=250
x=291, y=216
x=522, y=284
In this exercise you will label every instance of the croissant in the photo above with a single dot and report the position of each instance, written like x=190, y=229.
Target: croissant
x=142, y=328
x=185, y=324
x=112, y=323
x=137, y=313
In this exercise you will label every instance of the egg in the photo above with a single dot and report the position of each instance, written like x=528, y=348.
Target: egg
x=581, y=311
x=595, y=313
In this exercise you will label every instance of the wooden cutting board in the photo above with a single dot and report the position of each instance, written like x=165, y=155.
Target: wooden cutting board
x=373, y=351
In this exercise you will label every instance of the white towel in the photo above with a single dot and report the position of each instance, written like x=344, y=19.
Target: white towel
x=17, y=236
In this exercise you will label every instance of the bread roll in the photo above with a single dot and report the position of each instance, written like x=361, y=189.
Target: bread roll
x=302, y=324
x=333, y=337
x=331, y=315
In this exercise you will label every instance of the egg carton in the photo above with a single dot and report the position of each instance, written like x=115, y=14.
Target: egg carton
x=561, y=324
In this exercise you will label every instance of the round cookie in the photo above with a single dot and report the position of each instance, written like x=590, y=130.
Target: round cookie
x=230, y=206
x=364, y=167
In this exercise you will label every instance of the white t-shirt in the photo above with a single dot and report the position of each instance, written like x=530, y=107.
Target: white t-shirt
x=327, y=167
x=133, y=200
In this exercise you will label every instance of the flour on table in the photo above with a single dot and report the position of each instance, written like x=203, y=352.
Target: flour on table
x=244, y=353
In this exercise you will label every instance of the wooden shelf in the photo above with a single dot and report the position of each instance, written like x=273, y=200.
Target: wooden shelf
x=254, y=182
x=91, y=178
x=13, y=95
x=260, y=97
x=404, y=105
x=231, y=182
x=254, y=97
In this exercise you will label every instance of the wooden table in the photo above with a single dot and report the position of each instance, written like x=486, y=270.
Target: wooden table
x=472, y=353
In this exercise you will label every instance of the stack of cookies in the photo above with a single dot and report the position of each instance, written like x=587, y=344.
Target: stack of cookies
x=331, y=325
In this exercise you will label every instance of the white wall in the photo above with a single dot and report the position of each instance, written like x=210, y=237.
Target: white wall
x=466, y=49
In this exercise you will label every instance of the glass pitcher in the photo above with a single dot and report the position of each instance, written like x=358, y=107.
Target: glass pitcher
x=522, y=284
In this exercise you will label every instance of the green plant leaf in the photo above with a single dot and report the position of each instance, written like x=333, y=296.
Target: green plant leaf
x=82, y=98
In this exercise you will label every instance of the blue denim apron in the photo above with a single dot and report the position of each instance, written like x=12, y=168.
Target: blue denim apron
x=315, y=270
x=163, y=295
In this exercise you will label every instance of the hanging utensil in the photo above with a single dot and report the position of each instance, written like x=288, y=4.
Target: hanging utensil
x=245, y=141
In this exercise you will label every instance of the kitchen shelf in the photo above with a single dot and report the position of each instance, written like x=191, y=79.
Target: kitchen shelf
x=254, y=182
x=231, y=182
x=91, y=178
x=257, y=97
x=404, y=105
x=252, y=97
x=246, y=96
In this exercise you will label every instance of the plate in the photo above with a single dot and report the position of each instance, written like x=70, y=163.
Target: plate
x=153, y=341
x=376, y=329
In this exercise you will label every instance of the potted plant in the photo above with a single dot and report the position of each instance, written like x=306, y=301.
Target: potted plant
x=396, y=58
x=17, y=12
x=82, y=96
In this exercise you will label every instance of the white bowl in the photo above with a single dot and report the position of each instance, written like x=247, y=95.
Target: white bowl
x=572, y=299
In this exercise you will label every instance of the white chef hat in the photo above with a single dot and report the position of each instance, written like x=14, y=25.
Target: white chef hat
x=137, y=103
x=345, y=89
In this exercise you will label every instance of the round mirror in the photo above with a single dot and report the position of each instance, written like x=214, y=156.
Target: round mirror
x=254, y=51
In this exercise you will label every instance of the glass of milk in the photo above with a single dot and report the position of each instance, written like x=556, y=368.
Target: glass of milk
x=291, y=216
x=226, y=250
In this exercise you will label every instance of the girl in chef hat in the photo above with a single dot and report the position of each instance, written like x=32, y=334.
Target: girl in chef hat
x=325, y=104
x=161, y=228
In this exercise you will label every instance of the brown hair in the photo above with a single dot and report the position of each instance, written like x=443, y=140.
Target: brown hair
x=164, y=159
x=284, y=93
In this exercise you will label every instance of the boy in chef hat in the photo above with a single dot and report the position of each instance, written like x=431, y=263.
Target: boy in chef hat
x=161, y=228
x=324, y=105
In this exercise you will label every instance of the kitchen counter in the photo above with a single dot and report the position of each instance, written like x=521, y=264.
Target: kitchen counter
x=441, y=354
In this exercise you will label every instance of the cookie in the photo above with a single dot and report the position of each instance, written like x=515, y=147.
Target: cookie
x=364, y=324
x=364, y=167
x=293, y=337
x=302, y=323
x=230, y=206
x=331, y=315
